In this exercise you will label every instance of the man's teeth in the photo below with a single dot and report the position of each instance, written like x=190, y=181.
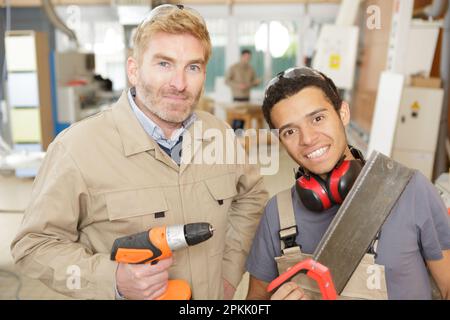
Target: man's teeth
x=317, y=153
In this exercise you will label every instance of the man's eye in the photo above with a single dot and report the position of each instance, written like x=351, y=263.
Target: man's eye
x=288, y=132
x=194, y=67
x=318, y=118
x=164, y=64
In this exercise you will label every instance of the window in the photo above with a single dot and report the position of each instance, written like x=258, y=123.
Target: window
x=280, y=43
x=216, y=65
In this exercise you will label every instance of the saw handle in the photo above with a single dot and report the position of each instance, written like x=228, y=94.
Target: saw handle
x=315, y=271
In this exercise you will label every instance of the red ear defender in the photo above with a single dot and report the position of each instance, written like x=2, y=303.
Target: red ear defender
x=313, y=193
x=342, y=179
x=319, y=195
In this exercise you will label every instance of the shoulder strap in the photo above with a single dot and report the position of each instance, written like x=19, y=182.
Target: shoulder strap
x=288, y=226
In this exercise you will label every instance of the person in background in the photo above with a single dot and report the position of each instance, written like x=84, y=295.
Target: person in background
x=241, y=77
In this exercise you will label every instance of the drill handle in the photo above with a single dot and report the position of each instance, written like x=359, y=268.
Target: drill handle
x=135, y=249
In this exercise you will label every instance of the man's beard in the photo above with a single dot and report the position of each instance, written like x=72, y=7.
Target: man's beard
x=162, y=109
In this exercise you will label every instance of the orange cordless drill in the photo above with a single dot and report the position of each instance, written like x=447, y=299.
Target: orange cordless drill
x=158, y=243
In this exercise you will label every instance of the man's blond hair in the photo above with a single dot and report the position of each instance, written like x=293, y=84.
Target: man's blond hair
x=174, y=20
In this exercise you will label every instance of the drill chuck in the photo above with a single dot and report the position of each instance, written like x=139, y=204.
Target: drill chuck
x=181, y=236
x=197, y=232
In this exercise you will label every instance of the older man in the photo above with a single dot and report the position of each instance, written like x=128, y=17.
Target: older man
x=120, y=172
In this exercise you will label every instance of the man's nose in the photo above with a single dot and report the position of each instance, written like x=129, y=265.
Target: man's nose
x=308, y=135
x=178, y=80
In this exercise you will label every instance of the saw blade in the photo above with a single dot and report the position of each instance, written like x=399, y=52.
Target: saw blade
x=360, y=217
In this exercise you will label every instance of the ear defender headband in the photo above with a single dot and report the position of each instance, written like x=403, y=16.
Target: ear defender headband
x=318, y=194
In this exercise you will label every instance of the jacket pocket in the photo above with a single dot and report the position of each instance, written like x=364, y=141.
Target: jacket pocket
x=222, y=188
x=222, y=191
x=135, y=203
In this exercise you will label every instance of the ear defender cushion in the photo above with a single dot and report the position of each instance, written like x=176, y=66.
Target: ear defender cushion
x=342, y=179
x=313, y=193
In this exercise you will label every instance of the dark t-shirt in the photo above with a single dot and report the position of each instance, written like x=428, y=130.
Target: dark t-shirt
x=417, y=229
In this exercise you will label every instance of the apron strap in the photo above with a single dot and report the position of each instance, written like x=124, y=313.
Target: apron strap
x=288, y=226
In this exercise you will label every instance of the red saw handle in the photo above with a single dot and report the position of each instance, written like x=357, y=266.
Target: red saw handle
x=315, y=271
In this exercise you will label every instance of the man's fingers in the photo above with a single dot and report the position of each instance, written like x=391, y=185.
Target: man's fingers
x=143, y=281
x=162, y=264
x=296, y=294
x=288, y=291
x=306, y=297
x=145, y=270
x=153, y=280
x=159, y=290
x=283, y=291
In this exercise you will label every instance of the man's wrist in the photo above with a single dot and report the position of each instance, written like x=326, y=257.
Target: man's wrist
x=119, y=296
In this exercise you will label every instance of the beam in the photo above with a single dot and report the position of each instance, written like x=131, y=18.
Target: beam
x=37, y=3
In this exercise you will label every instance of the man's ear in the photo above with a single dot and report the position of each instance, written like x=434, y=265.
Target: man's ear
x=344, y=113
x=132, y=71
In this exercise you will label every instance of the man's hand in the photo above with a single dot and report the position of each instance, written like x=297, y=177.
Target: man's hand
x=143, y=281
x=243, y=86
x=256, y=82
x=228, y=290
x=290, y=291
x=257, y=290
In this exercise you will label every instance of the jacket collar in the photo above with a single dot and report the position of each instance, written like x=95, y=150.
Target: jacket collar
x=134, y=138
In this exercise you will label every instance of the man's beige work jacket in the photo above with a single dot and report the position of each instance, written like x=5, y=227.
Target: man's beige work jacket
x=105, y=178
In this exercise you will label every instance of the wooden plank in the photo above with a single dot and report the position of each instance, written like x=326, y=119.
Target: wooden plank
x=82, y=2
x=371, y=62
x=21, y=3
x=359, y=218
x=259, y=1
x=37, y=3
x=387, y=107
x=45, y=94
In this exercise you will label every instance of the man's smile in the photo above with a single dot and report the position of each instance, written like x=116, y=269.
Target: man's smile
x=318, y=153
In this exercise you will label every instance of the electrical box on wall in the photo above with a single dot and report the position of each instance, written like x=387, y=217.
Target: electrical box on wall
x=336, y=51
x=406, y=122
x=417, y=129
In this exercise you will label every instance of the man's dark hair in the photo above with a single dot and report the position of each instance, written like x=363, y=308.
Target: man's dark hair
x=244, y=51
x=287, y=87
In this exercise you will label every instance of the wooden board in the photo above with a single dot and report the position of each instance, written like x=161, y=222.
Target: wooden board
x=385, y=117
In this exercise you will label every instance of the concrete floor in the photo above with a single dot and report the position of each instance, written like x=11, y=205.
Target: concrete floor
x=14, y=196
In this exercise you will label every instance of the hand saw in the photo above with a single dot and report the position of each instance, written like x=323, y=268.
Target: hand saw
x=357, y=222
